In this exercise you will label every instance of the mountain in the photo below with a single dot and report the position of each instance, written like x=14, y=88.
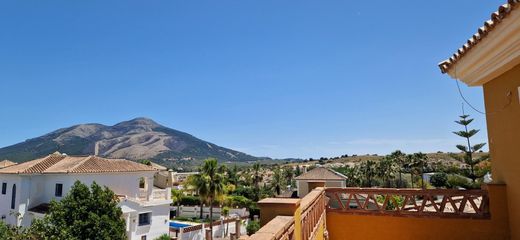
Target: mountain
x=137, y=139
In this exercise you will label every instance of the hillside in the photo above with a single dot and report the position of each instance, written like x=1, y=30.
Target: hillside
x=140, y=138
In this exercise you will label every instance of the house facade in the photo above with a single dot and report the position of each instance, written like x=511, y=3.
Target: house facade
x=27, y=189
x=319, y=177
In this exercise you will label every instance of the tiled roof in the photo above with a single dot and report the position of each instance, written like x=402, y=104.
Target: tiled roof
x=6, y=163
x=58, y=163
x=321, y=173
x=489, y=25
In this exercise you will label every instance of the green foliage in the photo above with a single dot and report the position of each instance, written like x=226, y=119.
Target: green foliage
x=83, y=214
x=8, y=232
x=146, y=162
x=455, y=181
x=252, y=227
x=189, y=201
x=391, y=204
x=163, y=237
x=439, y=179
x=468, y=149
x=238, y=201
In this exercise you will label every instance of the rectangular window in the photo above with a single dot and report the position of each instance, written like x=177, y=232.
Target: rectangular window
x=143, y=237
x=58, y=192
x=144, y=219
x=4, y=188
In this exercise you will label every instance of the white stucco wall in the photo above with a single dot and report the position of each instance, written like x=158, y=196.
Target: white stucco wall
x=32, y=190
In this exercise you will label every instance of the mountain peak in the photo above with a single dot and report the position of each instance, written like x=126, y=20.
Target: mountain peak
x=139, y=122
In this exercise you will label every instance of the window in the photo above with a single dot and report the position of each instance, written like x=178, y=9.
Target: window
x=13, y=196
x=143, y=237
x=144, y=219
x=4, y=188
x=58, y=191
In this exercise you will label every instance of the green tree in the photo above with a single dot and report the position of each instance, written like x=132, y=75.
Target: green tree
x=257, y=178
x=83, y=214
x=200, y=183
x=297, y=171
x=215, y=184
x=288, y=174
x=367, y=168
x=385, y=170
x=418, y=161
x=469, y=149
x=232, y=175
x=225, y=214
x=400, y=160
x=177, y=196
x=277, y=181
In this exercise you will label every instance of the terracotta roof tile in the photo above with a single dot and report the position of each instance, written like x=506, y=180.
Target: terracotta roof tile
x=496, y=17
x=6, y=163
x=58, y=163
x=321, y=173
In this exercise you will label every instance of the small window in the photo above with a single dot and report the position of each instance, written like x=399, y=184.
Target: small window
x=58, y=192
x=143, y=237
x=4, y=188
x=144, y=219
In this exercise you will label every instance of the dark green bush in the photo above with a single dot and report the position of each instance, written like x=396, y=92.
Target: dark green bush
x=252, y=227
x=190, y=201
x=439, y=180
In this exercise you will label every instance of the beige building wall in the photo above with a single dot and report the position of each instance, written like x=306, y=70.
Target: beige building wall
x=503, y=123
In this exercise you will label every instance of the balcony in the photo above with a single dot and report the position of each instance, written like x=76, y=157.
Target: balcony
x=373, y=213
x=156, y=194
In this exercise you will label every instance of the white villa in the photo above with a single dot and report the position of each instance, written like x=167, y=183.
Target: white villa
x=27, y=188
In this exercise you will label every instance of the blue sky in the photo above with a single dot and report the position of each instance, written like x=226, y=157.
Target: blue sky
x=270, y=78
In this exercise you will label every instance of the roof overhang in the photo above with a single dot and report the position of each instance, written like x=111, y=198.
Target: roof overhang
x=497, y=51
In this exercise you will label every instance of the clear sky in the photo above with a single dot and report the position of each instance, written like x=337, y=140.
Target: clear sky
x=270, y=78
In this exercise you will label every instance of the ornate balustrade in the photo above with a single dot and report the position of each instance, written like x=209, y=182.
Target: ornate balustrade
x=409, y=202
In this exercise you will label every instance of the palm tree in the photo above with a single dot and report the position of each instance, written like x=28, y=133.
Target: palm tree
x=257, y=178
x=215, y=185
x=177, y=195
x=277, y=180
x=367, y=168
x=400, y=160
x=199, y=182
x=385, y=169
x=288, y=175
x=417, y=163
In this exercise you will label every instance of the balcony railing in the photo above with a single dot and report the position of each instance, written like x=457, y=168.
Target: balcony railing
x=409, y=202
x=313, y=213
x=157, y=194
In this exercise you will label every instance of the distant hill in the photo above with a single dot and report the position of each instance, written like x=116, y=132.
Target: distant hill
x=140, y=138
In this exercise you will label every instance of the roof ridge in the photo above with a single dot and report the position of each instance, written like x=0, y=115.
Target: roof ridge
x=80, y=164
x=44, y=164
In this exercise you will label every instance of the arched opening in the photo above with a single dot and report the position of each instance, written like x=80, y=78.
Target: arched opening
x=13, y=196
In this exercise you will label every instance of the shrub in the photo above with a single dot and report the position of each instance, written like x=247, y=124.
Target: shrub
x=189, y=201
x=253, y=210
x=439, y=180
x=458, y=181
x=163, y=237
x=252, y=227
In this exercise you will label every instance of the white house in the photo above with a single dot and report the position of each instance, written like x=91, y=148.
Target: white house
x=319, y=177
x=27, y=188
